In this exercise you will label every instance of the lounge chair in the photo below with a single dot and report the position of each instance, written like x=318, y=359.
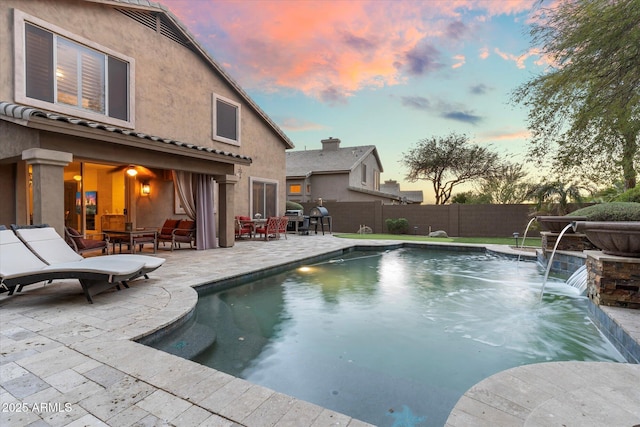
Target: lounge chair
x=47, y=244
x=19, y=267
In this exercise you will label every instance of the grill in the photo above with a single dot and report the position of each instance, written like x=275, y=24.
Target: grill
x=295, y=219
x=320, y=215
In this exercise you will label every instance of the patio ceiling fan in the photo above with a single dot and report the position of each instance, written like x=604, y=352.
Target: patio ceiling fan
x=134, y=170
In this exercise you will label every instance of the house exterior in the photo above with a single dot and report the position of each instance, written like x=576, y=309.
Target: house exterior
x=391, y=186
x=334, y=173
x=90, y=88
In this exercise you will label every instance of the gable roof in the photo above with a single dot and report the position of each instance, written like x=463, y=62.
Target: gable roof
x=145, y=12
x=341, y=160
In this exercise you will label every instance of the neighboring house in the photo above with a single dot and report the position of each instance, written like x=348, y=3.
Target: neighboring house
x=391, y=186
x=338, y=174
x=88, y=88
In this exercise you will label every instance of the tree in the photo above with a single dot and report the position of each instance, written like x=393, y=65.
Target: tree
x=506, y=186
x=548, y=193
x=448, y=162
x=585, y=111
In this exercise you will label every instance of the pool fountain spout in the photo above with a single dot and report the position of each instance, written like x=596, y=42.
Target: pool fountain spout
x=526, y=230
x=550, y=262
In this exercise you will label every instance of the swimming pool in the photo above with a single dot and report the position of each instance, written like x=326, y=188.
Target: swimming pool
x=393, y=334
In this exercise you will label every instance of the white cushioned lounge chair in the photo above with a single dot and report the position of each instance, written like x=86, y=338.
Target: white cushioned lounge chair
x=51, y=248
x=19, y=267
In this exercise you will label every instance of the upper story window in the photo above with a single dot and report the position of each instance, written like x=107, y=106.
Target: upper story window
x=226, y=120
x=295, y=189
x=59, y=71
x=364, y=173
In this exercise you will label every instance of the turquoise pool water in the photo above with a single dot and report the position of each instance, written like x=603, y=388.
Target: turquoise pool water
x=395, y=337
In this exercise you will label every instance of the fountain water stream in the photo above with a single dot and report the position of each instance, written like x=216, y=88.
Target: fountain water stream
x=578, y=279
x=550, y=262
x=526, y=230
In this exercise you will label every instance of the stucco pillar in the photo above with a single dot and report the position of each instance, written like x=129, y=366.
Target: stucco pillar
x=226, y=197
x=47, y=167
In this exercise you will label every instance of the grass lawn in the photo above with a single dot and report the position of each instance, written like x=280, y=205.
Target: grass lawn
x=531, y=241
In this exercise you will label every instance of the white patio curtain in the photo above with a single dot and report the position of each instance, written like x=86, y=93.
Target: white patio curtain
x=196, y=192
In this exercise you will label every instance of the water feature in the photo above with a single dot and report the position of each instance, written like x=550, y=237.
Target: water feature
x=550, y=262
x=402, y=333
x=578, y=279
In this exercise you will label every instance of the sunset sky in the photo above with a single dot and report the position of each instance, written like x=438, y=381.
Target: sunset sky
x=383, y=73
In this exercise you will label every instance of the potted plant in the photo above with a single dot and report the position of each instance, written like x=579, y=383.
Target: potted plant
x=613, y=227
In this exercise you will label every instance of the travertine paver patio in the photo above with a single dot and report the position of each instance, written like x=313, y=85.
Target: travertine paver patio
x=66, y=362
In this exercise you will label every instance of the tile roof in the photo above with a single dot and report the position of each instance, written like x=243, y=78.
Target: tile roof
x=26, y=113
x=307, y=162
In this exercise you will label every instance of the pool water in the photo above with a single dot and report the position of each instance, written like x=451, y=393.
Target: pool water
x=396, y=337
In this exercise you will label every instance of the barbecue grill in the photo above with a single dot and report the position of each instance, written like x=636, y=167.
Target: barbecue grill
x=295, y=219
x=320, y=215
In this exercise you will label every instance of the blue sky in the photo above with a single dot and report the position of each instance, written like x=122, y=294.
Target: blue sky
x=383, y=73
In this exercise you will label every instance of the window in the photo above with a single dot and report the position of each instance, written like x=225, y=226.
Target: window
x=69, y=74
x=376, y=180
x=264, y=198
x=364, y=173
x=226, y=120
x=295, y=189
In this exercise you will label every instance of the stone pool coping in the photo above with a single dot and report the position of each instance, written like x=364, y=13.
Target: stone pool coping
x=65, y=362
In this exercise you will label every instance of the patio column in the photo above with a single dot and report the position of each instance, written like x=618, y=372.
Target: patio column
x=226, y=197
x=47, y=168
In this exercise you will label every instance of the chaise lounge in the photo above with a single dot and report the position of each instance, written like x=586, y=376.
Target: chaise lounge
x=19, y=267
x=47, y=245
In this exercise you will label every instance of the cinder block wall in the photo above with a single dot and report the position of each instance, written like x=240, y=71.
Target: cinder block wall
x=455, y=219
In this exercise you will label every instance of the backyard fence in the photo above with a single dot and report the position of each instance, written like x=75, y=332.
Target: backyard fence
x=456, y=219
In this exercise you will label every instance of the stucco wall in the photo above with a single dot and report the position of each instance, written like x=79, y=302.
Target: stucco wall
x=173, y=85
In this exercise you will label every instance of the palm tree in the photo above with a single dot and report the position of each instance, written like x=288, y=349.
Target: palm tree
x=547, y=194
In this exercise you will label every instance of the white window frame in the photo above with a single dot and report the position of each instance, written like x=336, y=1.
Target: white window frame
x=20, y=72
x=215, y=97
x=252, y=180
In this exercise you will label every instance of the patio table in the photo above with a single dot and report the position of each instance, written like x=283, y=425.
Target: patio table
x=132, y=238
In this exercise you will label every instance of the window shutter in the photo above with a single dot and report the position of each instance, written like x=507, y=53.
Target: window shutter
x=92, y=74
x=118, y=89
x=39, y=63
x=227, y=116
x=67, y=72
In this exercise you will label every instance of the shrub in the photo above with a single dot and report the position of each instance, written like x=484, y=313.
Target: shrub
x=614, y=211
x=397, y=226
x=631, y=195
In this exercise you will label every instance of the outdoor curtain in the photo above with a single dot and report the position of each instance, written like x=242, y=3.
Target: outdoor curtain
x=196, y=193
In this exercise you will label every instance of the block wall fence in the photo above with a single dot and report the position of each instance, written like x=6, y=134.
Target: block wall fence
x=456, y=219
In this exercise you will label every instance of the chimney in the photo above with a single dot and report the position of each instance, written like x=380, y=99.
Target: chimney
x=331, y=144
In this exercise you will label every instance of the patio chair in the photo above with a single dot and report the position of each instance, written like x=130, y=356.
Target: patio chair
x=282, y=227
x=243, y=228
x=164, y=234
x=184, y=232
x=81, y=245
x=47, y=244
x=270, y=229
x=20, y=267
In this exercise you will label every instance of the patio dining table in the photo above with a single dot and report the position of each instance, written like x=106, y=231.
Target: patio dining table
x=132, y=238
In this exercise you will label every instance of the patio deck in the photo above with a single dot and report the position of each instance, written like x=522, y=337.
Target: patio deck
x=66, y=362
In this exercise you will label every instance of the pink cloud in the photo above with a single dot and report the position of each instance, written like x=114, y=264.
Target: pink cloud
x=460, y=60
x=331, y=49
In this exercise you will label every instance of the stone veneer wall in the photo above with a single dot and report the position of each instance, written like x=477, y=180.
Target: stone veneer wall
x=569, y=242
x=613, y=280
x=563, y=263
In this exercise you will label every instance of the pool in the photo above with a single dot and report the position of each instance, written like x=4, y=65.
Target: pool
x=390, y=337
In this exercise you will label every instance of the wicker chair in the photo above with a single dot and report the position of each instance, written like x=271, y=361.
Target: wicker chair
x=282, y=226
